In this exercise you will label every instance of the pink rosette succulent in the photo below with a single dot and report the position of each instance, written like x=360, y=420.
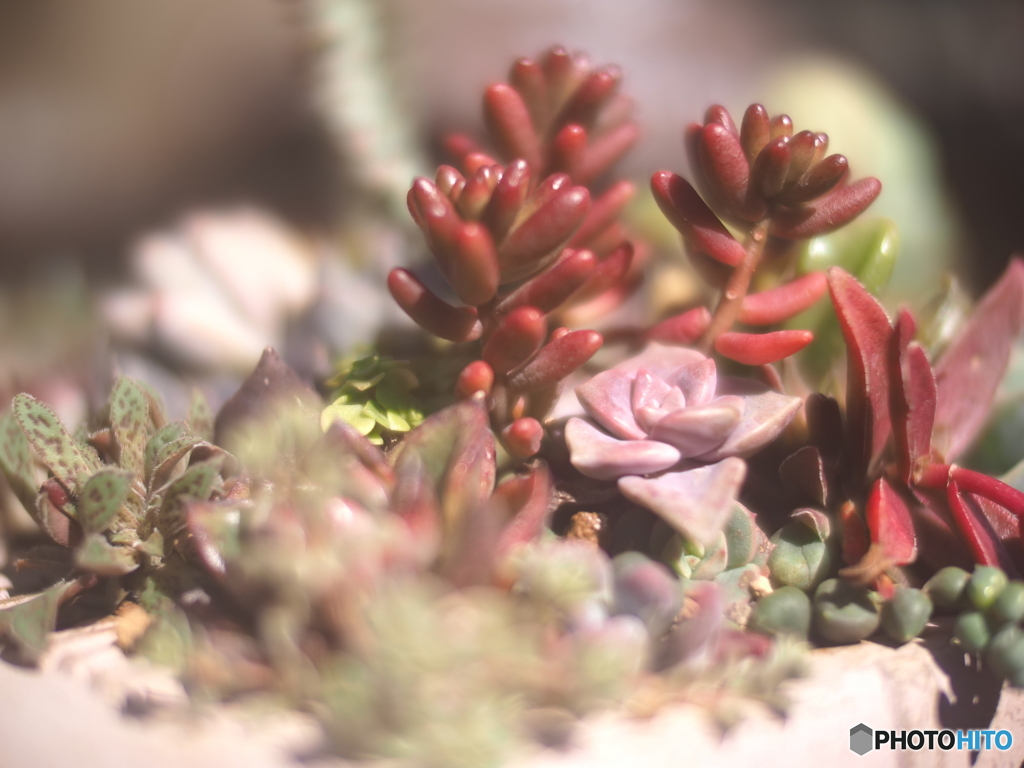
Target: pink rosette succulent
x=666, y=409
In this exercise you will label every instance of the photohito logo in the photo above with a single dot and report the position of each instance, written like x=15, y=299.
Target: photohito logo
x=863, y=739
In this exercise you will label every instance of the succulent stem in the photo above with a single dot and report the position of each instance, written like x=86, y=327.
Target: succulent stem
x=731, y=301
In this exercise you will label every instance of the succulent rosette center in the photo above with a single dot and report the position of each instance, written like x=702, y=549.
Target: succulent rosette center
x=667, y=409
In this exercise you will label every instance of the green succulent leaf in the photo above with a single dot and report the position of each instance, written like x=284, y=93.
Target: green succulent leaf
x=102, y=497
x=195, y=483
x=801, y=555
x=129, y=420
x=167, y=447
x=153, y=546
x=350, y=414
x=16, y=461
x=58, y=450
x=200, y=416
x=98, y=556
x=28, y=619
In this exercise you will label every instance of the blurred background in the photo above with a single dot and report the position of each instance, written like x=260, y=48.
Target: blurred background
x=183, y=182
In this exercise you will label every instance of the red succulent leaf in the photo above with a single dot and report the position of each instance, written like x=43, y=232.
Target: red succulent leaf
x=523, y=437
x=684, y=328
x=604, y=212
x=912, y=397
x=604, y=151
x=771, y=167
x=527, y=77
x=568, y=148
x=868, y=335
x=785, y=301
x=507, y=199
x=761, y=348
x=509, y=122
x=967, y=375
x=856, y=538
x=473, y=268
x=517, y=336
x=821, y=179
x=554, y=285
x=755, y=131
x=478, y=376
x=890, y=523
x=990, y=488
x=531, y=244
x=555, y=361
x=428, y=311
x=608, y=274
x=974, y=528
x=688, y=213
x=728, y=172
x=591, y=96
x=834, y=210
x=526, y=498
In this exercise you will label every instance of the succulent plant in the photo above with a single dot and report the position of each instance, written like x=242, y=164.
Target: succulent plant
x=516, y=241
x=670, y=418
x=114, y=497
x=772, y=186
x=373, y=395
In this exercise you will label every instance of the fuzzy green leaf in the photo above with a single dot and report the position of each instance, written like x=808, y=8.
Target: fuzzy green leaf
x=153, y=546
x=52, y=442
x=27, y=620
x=98, y=556
x=16, y=461
x=200, y=417
x=129, y=420
x=167, y=446
x=196, y=483
x=101, y=499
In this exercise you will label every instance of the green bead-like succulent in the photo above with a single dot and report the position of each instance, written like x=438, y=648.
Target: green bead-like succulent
x=801, y=555
x=1005, y=654
x=904, y=616
x=373, y=395
x=985, y=586
x=786, y=611
x=946, y=587
x=972, y=631
x=843, y=612
x=1009, y=606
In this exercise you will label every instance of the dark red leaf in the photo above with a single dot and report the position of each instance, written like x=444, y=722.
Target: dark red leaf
x=591, y=96
x=473, y=271
x=554, y=285
x=604, y=151
x=478, y=376
x=828, y=213
x=510, y=124
x=506, y=200
x=567, y=148
x=527, y=77
x=771, y=167
x=688, y=213
x=967, y=375
x=728, y=173
x=761, y=348
x=517, y=336
x=781, y=125
x=867, y=332
x=716, y=113
x=684, y=328
x=802, y=148
x=609, y=273
x=856, y=538
x=891, y=526
x=556, y=360
x=523, y=437
x=538, y=239
x=441, y=319
x=973, y=528
x=526, y=499
x=990, y=488
x=604, y=211
x=912, y=399
x=755, y=131
x=822, y=178
x=778, y=304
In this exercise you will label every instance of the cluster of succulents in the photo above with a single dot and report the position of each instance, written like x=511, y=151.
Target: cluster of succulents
x=381, y=563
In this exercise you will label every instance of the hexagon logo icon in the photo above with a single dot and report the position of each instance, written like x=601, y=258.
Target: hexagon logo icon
x=861, y=738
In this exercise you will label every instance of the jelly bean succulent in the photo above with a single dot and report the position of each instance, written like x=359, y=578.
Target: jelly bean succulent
x=519, y=239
